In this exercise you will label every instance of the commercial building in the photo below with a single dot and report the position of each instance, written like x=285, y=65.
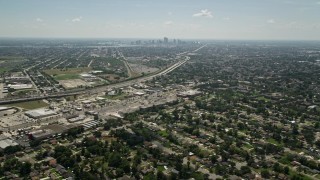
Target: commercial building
x=165, y=40
x=41, y=134
x=20, y=86
x=90, y=124
x=40, y=113
x=6, y=142
x=76, y=119
x=50, y=131
x=189, y=93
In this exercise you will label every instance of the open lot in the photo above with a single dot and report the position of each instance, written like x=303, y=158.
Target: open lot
x=1, y=90
x=66, y=76
x=67, y=71
x=8, y=63
x=8, y=112
x=111, y=77
x=29, y=105
x=68, y=84
x=63, y=75
x=140, y=68
x=4, y=69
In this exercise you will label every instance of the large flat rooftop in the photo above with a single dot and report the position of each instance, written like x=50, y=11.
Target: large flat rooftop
x=39, y=113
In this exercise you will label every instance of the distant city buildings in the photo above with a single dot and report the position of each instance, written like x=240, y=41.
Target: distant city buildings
x=165, y=40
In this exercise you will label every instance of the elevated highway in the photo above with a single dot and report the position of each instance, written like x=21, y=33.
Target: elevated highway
x=97, y=90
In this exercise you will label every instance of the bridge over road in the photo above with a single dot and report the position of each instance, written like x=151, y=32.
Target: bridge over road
x=101, y=88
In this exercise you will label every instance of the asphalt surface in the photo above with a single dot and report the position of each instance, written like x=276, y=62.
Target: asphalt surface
x=1, y=90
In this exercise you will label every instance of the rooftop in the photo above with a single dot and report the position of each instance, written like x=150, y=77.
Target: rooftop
x=38, y=113
x=6, y=143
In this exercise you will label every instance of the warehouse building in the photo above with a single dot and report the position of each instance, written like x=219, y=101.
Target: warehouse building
x=40, y=113
x=49, y=131
x=6, y=142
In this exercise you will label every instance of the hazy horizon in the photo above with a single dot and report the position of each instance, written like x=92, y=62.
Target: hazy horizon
x=206, y=19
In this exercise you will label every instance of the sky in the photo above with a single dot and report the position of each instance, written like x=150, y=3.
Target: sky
x=183, y=19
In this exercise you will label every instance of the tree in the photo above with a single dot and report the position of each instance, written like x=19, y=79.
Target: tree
x=277, y=168
x=295, y=130
x=64, y=156
x=149, y=176
x=317, y=143
x=160, y=175
x=25, y=168
x=11, y=164
x=245, y=170
x=317, y=125
x=125, y=166
x=12, y=149
x=265, y=173
x=114, y=159
x=214, y=159
x=97, y=134
x=219, y=170
x=286, y=170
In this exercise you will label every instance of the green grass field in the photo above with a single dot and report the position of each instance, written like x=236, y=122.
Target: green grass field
x=4, y=69
x=261, y=98
x=30, y=104
x=163, y=133
x=66, y=76
x=160, y=168
x=247, y=146
x=8, y=63
x=273, y=141
x=53, y=72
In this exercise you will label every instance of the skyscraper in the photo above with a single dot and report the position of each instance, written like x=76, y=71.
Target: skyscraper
x=165, y=40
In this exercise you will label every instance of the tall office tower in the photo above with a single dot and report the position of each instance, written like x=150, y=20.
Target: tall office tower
x=165, y=40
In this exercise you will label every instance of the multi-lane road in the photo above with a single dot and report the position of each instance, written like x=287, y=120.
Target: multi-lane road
x=183, y=59
x=139, y=80
x=102, y=88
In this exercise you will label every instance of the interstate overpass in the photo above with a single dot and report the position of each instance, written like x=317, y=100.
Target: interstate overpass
x=100, y=88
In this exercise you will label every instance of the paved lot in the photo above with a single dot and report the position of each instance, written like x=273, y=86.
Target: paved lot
x=1, y=89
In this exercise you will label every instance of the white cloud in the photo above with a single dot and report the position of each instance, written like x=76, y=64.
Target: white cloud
x=168, y=23
x=203, y=13
x=226, y=18
x=318, y=3
x=271, y=21
x=170, y=13
x=111, y=25
x=291, y=25
x=77, y=19
x=39, y=20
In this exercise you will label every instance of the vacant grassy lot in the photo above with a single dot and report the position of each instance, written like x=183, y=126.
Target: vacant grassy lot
x=66, y=76
x=30, y=105
x=8, y=63
x=53, y=72
x=111, y=77
x=4, y=69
